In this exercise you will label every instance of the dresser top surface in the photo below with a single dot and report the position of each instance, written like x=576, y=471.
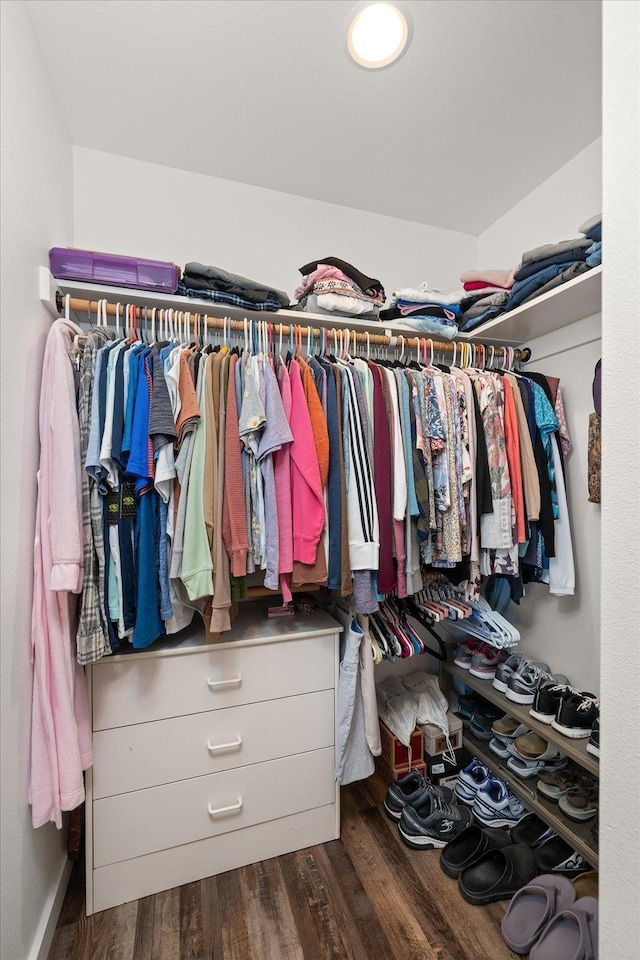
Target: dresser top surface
x=252, y=626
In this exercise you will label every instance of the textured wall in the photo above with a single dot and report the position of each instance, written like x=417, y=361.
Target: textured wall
x=36, y=213
x=620, y=761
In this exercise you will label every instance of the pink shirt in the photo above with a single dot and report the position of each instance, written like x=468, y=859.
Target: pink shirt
x=307, y=501
x=60, y=721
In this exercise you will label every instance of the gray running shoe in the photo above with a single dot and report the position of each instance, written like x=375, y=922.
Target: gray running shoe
x=505, y=669
x=432, y=823
x=522, y=685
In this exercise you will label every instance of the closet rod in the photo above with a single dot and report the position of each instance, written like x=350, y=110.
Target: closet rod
x=219, y=323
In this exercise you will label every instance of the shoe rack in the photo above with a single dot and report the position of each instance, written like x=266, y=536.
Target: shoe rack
x=577, y=834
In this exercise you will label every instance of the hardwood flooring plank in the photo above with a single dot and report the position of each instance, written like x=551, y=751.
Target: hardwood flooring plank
x=122, y=937
x=211, y=920
x=62, y=943
x=232, y=920
x=403, y=930
x=166, y=926
x=356, y=909
x=477, y=929
x=438, y=929
x=143, y=941
x=191, y=942
x=74, y=899
x=317, y=929
x=270, y=923
x=92, y=936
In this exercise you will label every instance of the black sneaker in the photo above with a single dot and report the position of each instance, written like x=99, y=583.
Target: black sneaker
x=576, y=715
x=594, y=740
x=411, y=789
x=432, y=822
x=484, y=716
x=467, y=703
x=547, y=699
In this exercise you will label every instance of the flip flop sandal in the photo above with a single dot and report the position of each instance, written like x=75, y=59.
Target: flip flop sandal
x=532, y=908
x=469, y=846
x=498, y=874
x=525, y=769
x=571, y=935
x=533, y=747
x=580, y=804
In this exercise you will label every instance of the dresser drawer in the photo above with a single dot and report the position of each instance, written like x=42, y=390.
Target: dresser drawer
x=133, y=879
x=157, y=687
x=145, y=821
x=149, y=754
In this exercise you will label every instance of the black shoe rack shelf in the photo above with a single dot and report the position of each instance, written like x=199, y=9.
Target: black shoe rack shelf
x=577, y=834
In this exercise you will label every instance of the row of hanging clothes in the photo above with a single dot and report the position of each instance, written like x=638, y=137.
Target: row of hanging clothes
x=206, y=459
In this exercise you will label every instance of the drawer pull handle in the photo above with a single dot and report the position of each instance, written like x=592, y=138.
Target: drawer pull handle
x=224, y=683
x=213, y=812
x=223, y=746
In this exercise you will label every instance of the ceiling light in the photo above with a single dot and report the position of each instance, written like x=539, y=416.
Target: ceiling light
x=378, y=33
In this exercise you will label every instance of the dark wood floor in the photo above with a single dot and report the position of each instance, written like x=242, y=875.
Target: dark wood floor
x=364, y=897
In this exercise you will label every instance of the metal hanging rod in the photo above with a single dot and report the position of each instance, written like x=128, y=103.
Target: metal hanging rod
x=220, y=323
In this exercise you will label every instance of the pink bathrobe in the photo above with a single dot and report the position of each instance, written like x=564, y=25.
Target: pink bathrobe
x=60, y=722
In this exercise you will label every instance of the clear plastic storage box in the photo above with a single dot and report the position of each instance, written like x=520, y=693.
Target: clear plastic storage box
x=85, y=265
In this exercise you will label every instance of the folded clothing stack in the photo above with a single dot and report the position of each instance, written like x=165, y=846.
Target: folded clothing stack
x=490, y=293
x=427, y=310
x=220, y=286
x=333, y=286
x=486, y=295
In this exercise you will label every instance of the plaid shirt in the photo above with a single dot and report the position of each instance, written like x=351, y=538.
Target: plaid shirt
x=271, y=304
x=92, y=637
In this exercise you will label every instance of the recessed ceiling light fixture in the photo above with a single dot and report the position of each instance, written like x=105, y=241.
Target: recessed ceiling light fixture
x=378, y=34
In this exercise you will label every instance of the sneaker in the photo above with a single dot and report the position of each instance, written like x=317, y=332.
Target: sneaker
x=496, y=806
x=484, y=662
x=548, y=696
x=467, y=703
x=470, y=780
x=593, y=746
x=505, y=669
x=465, y=651
x=576, y=715
x=483, y=719
x=522, y=685
x=431, y=823
x=411, y=789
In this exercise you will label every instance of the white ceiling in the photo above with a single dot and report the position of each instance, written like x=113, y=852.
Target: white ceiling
x=492, y=97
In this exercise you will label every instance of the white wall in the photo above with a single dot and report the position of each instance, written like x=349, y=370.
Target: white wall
x=620, y=755
x=551, y=212
x=36, y=212
x=144, y=209
x=562, y=631
x=565, y=631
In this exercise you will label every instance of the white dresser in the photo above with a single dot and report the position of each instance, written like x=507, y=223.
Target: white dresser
x=208, y=756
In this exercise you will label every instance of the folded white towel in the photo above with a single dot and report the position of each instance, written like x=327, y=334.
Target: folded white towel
x=423, y=294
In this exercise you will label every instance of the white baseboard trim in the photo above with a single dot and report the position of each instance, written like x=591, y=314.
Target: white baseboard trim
x=47, y=927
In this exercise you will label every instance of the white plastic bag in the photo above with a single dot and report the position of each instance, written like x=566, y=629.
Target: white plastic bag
x=397, y=708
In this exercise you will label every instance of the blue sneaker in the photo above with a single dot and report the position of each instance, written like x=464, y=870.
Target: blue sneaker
x=470, y=780
x=496, y=806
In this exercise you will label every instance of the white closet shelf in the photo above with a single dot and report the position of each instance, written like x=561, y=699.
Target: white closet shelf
x=150, y=298
x=566, y=304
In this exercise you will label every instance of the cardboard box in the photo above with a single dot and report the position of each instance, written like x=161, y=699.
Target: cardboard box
x=439, y=770
x=389, y=774
x=394, y=753
x=435, y=742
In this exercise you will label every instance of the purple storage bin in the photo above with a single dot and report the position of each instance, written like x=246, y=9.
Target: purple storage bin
x=68, y=264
